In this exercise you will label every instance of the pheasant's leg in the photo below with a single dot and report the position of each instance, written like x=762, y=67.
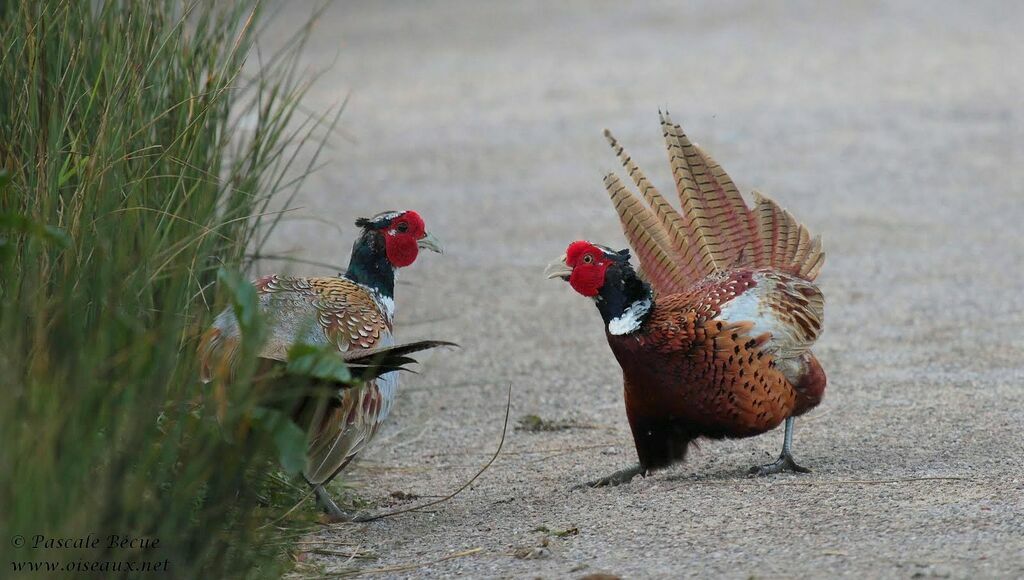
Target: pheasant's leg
x=785, y=461
x=334, y=513
x=617, y=478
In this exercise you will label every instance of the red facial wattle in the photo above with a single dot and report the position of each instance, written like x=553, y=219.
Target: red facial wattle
x=589, y=265
x=401, y=237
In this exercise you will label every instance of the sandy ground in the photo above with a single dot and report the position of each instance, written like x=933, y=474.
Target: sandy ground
x=896, y=132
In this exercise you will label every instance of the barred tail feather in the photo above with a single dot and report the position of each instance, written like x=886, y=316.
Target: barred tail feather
x=670, y=220
x=726, y=226
x=715, y=231
x=697, y=223
x=785, y=243
x=647, y=238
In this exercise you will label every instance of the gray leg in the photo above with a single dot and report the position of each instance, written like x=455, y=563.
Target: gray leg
x=617, y=478
x=334, y=513
x=785, y=461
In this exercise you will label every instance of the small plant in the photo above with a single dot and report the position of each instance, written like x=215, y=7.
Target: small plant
x=128, y=183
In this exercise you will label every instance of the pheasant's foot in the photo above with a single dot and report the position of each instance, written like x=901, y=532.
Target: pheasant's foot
x=332, y=513
x=783, y=463
x=617, y=478
x=363, y=517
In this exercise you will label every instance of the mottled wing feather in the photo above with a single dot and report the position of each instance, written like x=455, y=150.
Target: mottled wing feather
x=350, y=316
x=350, y=319
x=325, y=310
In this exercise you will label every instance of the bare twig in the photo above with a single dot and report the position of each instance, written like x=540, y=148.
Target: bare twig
x=287, y=513
x=430, y=320
x=748, y=482
x=501, y=443
x=449, y=386
x=284, y=258
x=874, y=481
x=407, y=567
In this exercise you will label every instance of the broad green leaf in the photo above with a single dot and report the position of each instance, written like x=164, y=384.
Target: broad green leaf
x=19, y=224
x=288, y=438
x=243, y=299
x=321, y=362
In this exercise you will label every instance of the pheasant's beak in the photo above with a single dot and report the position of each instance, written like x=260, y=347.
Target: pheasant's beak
x=429, y=242
x=558, y=269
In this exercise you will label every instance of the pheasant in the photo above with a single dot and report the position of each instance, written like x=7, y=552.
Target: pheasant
x=714, y=332
x=353, y=314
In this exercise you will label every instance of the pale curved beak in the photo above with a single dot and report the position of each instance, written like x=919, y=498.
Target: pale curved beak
x=558, y=269
x=429, y=242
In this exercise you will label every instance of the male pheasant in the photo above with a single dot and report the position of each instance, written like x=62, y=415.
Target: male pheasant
x=714, y=333
x=354, y=314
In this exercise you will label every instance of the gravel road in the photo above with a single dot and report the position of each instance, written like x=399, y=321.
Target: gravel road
x=893, y=129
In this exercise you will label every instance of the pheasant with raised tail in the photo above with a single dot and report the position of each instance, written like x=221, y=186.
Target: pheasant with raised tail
x=713, y=331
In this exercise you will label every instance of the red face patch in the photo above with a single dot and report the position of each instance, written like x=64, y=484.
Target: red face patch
x=401, y=237
x=588, y=263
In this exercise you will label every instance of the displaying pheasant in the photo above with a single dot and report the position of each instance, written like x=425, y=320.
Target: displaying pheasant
x=714, y=333
x=353, y=314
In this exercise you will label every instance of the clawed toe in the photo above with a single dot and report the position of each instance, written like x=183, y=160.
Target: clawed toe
x=362, y=517
x=617, y=478
x=331, y=517
x=783, y=463
x=332, y=513
x=609, y=481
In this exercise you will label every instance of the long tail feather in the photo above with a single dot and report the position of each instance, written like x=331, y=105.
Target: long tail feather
x=716, y=230
x=726, y=225
x=365, y=365
x=671, y=222
x=647, y=238
x=697, y=221
x=371, y=363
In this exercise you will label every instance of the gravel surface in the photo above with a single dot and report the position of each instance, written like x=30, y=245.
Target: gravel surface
x=893, y=130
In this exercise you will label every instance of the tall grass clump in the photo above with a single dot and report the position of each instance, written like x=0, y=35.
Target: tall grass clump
x=139, y=152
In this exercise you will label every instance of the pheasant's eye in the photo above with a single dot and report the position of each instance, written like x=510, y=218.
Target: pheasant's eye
x=588, y=259
x=403, y=227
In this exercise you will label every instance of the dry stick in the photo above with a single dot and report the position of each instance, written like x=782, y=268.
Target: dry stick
x=451, y=386
x=504, y=430
x=409, y=323
x=560, y=450
x=285, y=258
x=824, y=482
x=287, y=513
x=875, y=481
x=406, y=567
